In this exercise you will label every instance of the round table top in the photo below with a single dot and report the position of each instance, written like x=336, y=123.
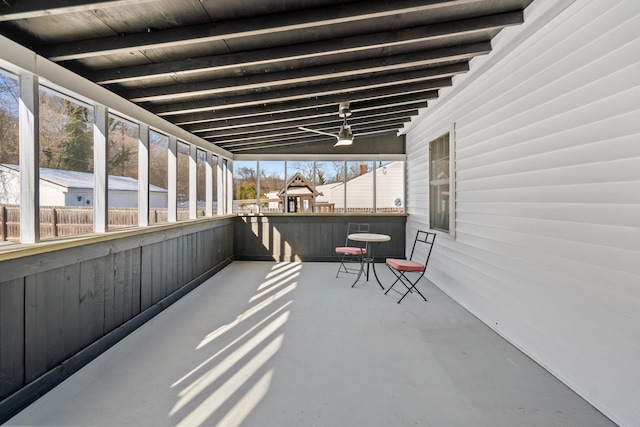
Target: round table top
x=369, y=237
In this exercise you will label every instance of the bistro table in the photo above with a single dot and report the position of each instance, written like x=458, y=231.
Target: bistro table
x=372, y=240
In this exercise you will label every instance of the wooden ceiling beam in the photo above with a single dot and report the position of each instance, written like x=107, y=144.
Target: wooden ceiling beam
x=17, y=9
x=330, y=123
x=290, y=117
x=344, y=70
x=311, y=138
x=295, y=108
x=324, y=97
x=282, y=54
x=226, y=30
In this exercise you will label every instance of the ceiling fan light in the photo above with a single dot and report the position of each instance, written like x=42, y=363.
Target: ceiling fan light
x=345, y=137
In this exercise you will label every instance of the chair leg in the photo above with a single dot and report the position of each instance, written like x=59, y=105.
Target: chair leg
x=344, y=268
x=340, y=266
x=411, y=286
x=411, y=289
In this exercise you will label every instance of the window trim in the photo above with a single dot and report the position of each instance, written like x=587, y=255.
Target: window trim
x=451, y=132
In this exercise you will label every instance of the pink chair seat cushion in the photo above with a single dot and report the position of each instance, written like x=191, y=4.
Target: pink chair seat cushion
x=404, y=265
x=350, y=250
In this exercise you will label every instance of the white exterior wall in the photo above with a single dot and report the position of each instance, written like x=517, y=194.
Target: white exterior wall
x=390, y=185
x=71, y=198
x=547, y=240
x=129, y=199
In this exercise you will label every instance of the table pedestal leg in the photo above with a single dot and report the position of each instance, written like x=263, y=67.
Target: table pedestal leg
x=368, y=260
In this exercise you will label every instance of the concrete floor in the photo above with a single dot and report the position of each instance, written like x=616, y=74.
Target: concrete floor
x=287, y=344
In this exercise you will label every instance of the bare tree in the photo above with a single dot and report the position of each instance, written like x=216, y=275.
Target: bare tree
x=9, y=120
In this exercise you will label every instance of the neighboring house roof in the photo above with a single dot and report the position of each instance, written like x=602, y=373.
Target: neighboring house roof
x=84, y=180
x=299, y=185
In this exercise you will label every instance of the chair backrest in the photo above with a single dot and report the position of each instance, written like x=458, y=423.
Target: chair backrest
x=356, y=227
x=426, y=240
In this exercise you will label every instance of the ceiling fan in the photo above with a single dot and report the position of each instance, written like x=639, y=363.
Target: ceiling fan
x=344, y=136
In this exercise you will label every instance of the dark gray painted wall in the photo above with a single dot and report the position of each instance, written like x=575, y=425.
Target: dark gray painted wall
x=298, y=237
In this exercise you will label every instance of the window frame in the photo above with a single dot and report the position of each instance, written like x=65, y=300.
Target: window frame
x=451, y=133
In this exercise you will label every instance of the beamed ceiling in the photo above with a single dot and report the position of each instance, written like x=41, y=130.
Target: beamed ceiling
x=246, y=74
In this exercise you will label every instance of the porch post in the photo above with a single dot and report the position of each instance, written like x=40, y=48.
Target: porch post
x=29, y=159
x=100, y=173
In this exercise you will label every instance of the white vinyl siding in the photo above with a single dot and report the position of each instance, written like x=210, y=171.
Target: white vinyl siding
x=547, y=243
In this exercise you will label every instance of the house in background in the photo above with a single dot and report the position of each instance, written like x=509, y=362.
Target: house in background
x=300, y=194
x=389, y=190
x=71, y=188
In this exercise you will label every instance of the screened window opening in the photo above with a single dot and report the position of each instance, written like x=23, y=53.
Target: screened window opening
x=158, y=177
x=9, y=159
x=272, y=191
x=122, y=168
x=66, y=182
x=201, y=182
x=183, y=181
x=245, y=189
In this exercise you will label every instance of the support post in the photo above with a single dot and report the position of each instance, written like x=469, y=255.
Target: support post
x=172, y=182
x=143, y=175
x=29, y=159
x=100, y=173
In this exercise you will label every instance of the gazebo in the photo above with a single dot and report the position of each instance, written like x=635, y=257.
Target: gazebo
x=300, y=194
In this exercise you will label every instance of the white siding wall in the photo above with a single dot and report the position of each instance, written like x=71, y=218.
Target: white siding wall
x=547, y=245
x=390, y=185
x=123, y=199
x=52, y=194
x=69, y=198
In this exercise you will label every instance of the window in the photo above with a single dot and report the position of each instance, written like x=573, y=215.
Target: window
x=201, y=182
x=360, y=187
x=158, y=177
x=332, y=186
x=214, y=184
x=271, y=186
x=245, y=183
x=300, y=188
x=66, y=165
x=390, y=187
x=183, y=181
x=329, y=180
x=67, y=171
x=439, y=183
x=122, y=168
x=9, y=156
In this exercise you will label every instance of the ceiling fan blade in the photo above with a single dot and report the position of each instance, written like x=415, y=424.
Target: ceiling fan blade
x=317, y=131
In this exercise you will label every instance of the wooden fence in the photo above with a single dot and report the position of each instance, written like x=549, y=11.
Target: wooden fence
x=69, y=221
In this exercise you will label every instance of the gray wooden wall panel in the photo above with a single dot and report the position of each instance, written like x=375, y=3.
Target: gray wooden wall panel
x=108, y=291
x=71, y=324
x=310, y=237
x=132, y=303
x=57, y=303
x=11, y=336
x=91, y=302
x=149, y=273
x=35, y=325
x=157, y=284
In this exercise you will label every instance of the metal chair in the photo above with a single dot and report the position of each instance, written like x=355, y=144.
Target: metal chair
x=352, y=251
x=410, y=271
